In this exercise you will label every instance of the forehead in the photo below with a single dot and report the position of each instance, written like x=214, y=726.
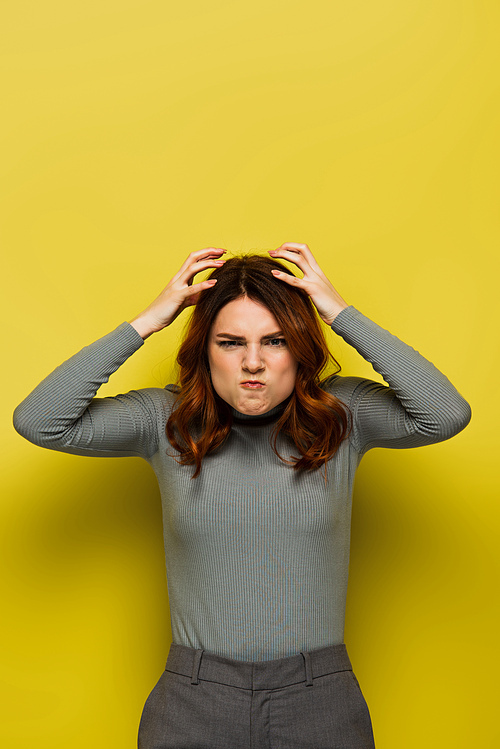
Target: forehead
x=244, y=317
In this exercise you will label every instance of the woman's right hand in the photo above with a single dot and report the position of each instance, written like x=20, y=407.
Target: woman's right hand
x=179, y=293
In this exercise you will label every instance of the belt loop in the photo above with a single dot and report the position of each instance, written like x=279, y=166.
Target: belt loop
x=307, y=663
x=196, y=667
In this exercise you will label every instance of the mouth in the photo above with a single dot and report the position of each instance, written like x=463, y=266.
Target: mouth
x=252, y=384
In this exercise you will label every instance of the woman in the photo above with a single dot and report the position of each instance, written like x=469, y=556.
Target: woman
x=255, y=458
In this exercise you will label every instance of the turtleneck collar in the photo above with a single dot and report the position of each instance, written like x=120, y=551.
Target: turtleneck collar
x=260, y=419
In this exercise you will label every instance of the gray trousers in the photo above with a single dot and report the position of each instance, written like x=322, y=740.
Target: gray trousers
x=306, y=701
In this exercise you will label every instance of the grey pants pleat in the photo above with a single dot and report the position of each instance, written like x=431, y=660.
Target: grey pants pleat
x=306, y=701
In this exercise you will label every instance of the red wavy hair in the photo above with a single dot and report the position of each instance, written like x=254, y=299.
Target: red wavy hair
x=200, y=421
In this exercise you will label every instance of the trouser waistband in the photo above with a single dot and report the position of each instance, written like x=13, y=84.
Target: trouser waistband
x=282, y=672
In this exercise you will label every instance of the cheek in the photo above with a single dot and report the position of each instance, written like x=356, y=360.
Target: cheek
x=220, y=368
x=214, y=358
x=288, y=373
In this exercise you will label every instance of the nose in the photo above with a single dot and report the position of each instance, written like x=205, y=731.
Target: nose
x=252, y=359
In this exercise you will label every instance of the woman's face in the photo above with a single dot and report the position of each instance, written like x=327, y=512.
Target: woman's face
x=251, y=366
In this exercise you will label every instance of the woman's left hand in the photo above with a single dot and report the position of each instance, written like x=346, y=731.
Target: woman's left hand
x=325, y=298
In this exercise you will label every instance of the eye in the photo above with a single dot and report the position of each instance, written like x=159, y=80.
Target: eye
x=228, y=344
x=277, y=342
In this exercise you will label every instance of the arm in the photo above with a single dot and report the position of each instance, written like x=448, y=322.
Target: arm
x=420, y=407
x=62, y=413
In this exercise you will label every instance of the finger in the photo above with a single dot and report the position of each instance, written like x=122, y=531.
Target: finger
x=292, y=256
x=193, y=292
x=287, y=278
x=199, y=266
x=207, y=252
x=299, y=283
x=304, y=251
x=196, y=257
x=301, y=249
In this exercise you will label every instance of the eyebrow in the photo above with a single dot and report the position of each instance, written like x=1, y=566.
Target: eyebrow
x=242, y=338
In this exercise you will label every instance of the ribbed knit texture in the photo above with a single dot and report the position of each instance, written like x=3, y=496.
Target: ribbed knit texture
x=257, y=555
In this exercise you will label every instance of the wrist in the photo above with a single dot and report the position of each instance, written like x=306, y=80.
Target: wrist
x=144, y=327
x=335, y=310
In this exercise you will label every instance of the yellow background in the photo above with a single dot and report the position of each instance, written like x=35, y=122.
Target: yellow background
x=135, y=132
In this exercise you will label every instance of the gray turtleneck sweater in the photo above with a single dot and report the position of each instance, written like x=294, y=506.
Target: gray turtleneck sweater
x=257, y=554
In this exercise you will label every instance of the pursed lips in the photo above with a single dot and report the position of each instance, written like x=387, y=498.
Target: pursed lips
x=252, y=383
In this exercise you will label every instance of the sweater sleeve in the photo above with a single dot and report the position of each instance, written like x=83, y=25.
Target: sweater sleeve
x=420, y=406
x=62, y=414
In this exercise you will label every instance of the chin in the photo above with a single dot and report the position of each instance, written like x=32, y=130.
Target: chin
x=253, y=409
